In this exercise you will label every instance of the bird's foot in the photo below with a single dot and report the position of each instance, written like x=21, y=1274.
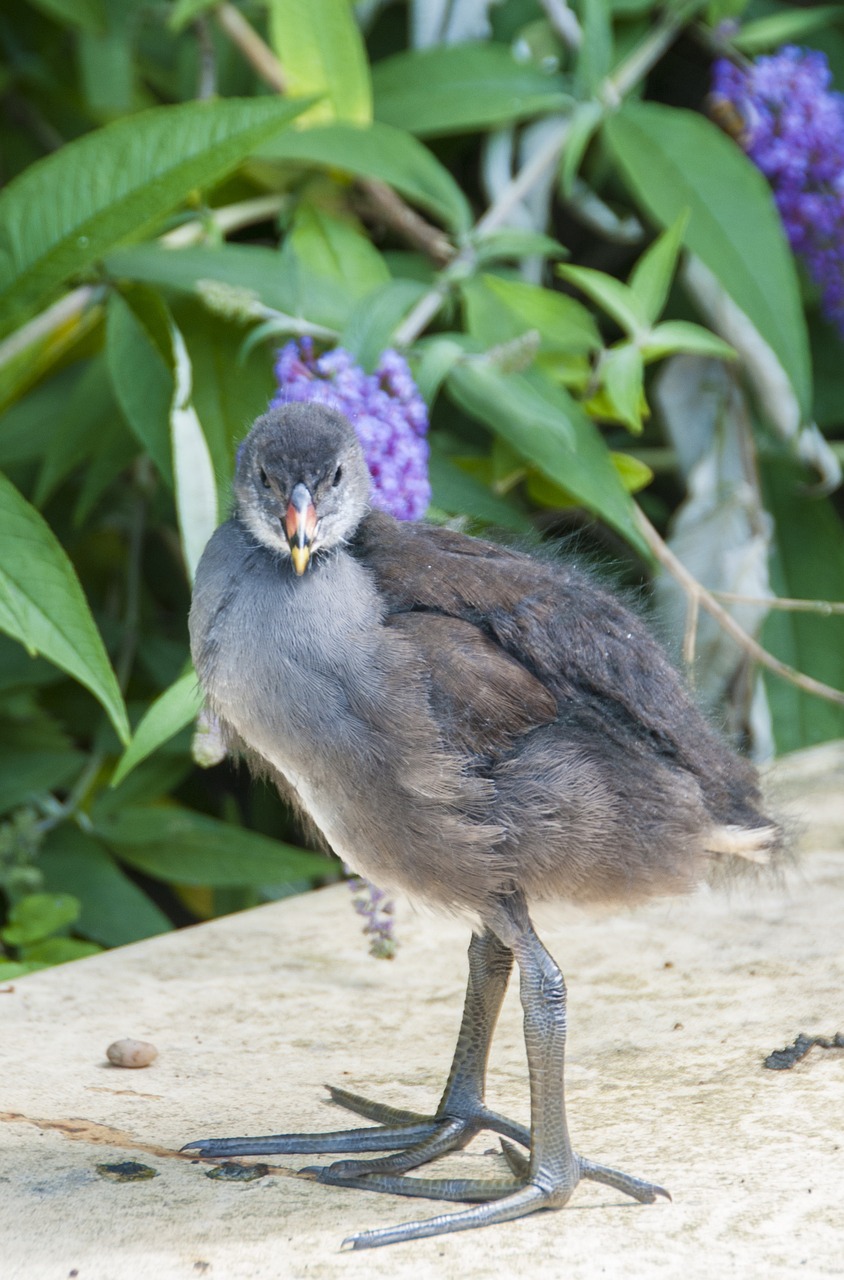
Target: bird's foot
x=493, y=1201
x=414, y=1139
x=408, y=1133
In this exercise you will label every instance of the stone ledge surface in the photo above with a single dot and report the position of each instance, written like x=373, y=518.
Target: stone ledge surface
x=673, y=1008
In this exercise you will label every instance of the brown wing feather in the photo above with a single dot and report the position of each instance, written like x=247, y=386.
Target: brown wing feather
x=579, y=641
x=481, y=697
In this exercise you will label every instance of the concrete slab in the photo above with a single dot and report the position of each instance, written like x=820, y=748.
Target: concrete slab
x=673, y=1009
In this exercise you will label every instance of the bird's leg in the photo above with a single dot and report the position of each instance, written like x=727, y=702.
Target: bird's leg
x=548, y=1178
x=417, y=1138
x=461, y=1112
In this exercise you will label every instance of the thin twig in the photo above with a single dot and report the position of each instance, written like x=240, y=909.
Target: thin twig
x=228, y=218
x=826, y=607
x=57, y=316
x=564, y=21
x=254, y=49
x=695, y=591
x=380, y=201
x=690, y=636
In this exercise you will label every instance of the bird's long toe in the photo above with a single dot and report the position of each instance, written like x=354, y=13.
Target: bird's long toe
x=641, y=1190
x=503, y=1202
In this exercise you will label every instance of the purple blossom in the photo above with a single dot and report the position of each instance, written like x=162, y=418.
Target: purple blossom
x=377, y=909
x=385, y=408
x=793, y=131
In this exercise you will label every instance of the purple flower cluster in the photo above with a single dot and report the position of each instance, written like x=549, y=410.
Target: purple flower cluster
x=793, y=131
x=385, y=408
x=377, y=909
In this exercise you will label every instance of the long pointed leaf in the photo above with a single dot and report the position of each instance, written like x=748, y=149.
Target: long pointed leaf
x=169, y=714
x=43, y=605
x=455, y=88
x=322, y=51
x=379, y=151
x=176, y=844
x=546, y=427
x=65, y=211
x=674, y=160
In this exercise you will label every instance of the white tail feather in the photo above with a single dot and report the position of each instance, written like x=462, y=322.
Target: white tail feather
x=754, y=844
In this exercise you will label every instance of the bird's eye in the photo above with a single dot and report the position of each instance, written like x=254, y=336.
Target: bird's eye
x=338, y=476
x=264, y=478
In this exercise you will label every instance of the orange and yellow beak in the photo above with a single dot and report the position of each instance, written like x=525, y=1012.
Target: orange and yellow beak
x=300, y=524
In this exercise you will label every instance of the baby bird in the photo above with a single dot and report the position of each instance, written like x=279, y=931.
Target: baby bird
x=472, y=726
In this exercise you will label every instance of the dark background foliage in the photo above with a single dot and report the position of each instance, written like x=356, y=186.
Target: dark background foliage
x=519, y=204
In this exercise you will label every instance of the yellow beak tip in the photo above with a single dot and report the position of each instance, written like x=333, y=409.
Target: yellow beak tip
x=300, y=557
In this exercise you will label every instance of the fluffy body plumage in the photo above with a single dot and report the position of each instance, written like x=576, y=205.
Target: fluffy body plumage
x=456, y=719
x=471, y=725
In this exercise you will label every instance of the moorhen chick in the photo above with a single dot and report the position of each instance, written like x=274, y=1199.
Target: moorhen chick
x=471, y=725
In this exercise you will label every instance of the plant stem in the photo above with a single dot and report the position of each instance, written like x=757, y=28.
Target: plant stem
x=55, y=317
x=230, y=217
x=699, y=597
x=253, y=48
x=826, y=607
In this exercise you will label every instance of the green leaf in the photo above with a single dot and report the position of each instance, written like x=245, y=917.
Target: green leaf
x=379, y=151
x=808, y=563
x=786, y=27
x=439, y=353
x=681, y=335
x=183, y=847
x=514, y=242
x=87, y=15
x=66, y=210
x=140, y=371
x=546, y=427
x=27, y=429
x=459, y=88
x=623, y=376
x=150, y=781
x=371, y=322
x=87, y=419
x=106, y=69
x=59, y=951
x=499, y=310
x=114, y=911
x=617, y=299
x=38, y=915
x=651, y=277
x=633, y=472
x=460, y=493
x=184, y=12
x=336, y=265
x=320, y=46
x=595, y=55
x=264, y=272
x=675, y=160
x=25, y=774
x=583, y=123
x=43, y=605
x=170, y=712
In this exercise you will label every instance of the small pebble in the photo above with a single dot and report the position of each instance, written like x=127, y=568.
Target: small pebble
x=131, y=1053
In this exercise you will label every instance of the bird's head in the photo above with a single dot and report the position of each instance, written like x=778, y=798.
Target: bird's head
x=302, y=483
